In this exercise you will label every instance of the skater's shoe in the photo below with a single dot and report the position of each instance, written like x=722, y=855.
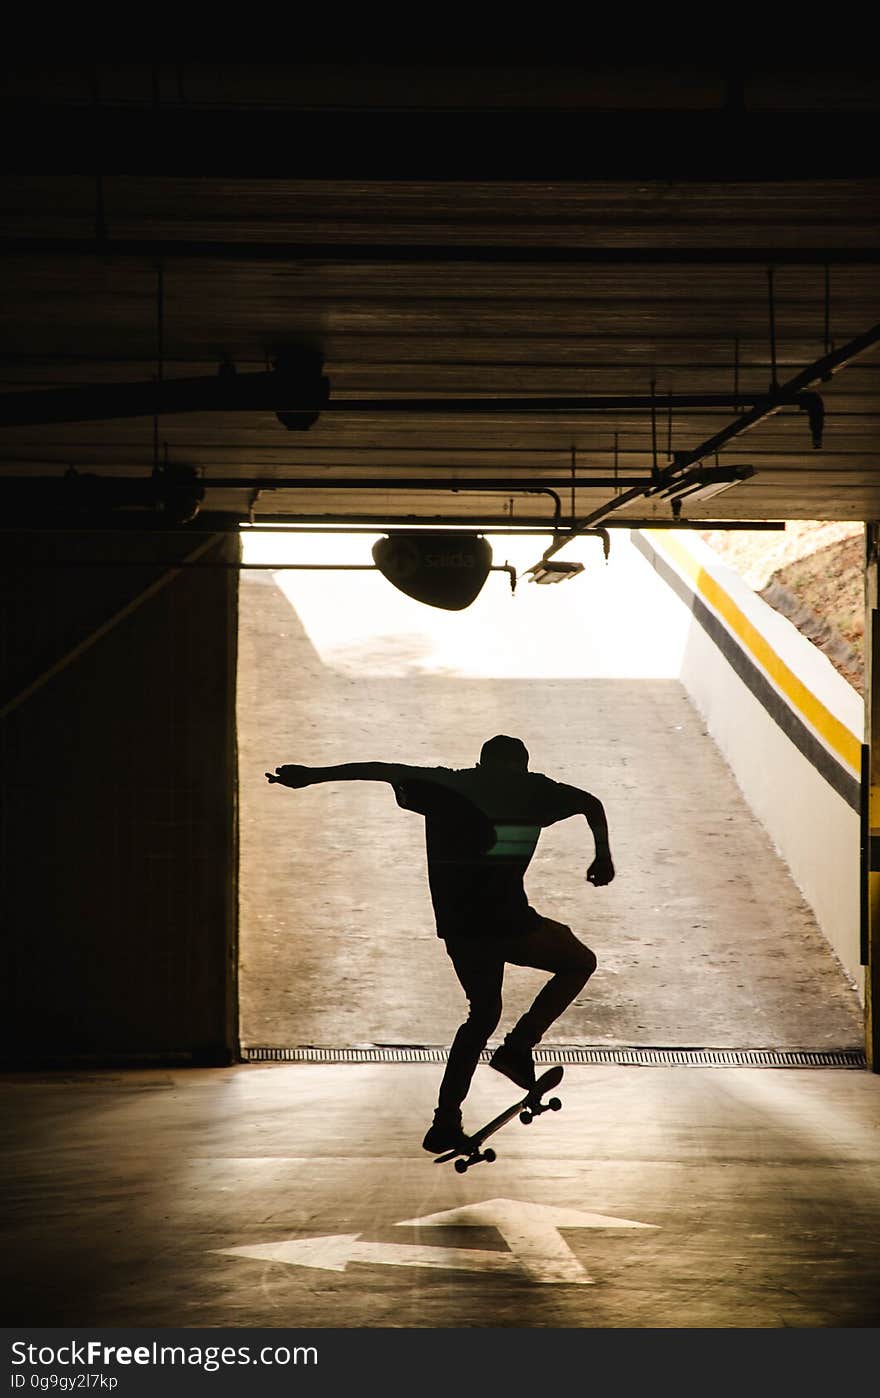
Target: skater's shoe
x=445, y=1134
x=515, y=1062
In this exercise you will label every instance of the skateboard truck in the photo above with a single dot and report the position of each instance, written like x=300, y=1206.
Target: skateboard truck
x=527, y=1108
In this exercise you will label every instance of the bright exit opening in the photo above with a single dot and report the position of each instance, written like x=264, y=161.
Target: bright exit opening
x=337, y=940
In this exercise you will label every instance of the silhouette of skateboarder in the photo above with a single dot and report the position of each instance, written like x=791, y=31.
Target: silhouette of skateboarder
x=482, y=825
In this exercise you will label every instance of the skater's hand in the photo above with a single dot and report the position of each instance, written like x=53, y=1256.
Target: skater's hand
x=601, y=871
x=291, y=775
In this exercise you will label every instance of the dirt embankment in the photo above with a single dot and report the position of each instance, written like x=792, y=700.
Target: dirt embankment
x=813, y=573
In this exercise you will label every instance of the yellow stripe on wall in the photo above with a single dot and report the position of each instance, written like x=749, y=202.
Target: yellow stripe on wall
x=836, y=734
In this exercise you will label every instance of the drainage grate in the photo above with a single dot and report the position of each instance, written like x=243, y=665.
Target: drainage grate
x=624, y=1057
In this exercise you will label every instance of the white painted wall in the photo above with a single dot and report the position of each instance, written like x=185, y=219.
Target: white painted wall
x=814, y=830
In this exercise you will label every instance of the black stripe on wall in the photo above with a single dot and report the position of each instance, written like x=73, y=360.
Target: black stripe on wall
x=866, y=855
x=837, y=776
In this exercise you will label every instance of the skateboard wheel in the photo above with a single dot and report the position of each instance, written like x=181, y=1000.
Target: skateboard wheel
x=554, y=1104
x=525, y=1118
x=461, y=1166
x=489, y=1155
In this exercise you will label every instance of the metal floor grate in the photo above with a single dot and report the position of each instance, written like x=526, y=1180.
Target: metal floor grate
x=624, y=1057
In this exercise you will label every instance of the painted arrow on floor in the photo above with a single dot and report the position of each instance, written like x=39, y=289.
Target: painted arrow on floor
x=334, y=1252
x=531, y=1232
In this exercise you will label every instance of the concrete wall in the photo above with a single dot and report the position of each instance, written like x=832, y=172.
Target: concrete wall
x=119, y=838
x=788, y=724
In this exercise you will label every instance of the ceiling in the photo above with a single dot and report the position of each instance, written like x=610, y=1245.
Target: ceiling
x=684, y=269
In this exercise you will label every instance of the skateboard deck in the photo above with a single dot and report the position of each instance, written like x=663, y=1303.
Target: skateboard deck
x=471, y=1152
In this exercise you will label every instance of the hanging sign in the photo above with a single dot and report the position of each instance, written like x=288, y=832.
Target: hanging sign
x=442, y=570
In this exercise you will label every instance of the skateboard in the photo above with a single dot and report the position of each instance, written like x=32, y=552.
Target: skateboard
x=470, y=1152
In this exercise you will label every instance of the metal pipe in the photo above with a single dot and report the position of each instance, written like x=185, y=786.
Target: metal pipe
x=771, y=307
x=500, y=524
x=152, y=563
x=414, y=483
x=593, y=518
x=149, y=249
x=72, y=490
x=283, y=393
x=590, y=403
x=221, y=563
x=367, y=524
x=819, y=371
x=628, y=523
x=302, y=390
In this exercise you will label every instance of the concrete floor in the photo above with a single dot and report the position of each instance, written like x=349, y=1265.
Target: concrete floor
x=132, y=1199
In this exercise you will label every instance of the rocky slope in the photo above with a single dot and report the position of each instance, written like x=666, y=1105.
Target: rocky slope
x=813, y=573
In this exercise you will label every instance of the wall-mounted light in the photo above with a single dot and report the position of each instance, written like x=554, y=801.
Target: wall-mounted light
x=551, y=571
x=706, y=482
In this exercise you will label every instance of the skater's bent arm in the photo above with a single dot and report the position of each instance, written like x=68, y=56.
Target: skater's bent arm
x=596, y=819
x=601, y=871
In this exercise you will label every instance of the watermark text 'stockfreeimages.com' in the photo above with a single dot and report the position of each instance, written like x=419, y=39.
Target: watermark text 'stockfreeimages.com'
x=91, y=1356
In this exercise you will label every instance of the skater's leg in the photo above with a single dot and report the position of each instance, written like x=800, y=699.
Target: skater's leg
x=480, y=969
x=551, y=947
x=481, y=974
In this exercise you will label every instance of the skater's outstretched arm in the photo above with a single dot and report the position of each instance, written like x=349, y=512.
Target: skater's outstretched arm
x=296, y=776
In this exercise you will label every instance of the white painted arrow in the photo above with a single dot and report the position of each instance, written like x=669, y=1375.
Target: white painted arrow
x=530, y=1231
x=334, y=1252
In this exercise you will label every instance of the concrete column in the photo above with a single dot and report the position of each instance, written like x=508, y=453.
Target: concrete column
x=871, y=931
x=118, y=857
